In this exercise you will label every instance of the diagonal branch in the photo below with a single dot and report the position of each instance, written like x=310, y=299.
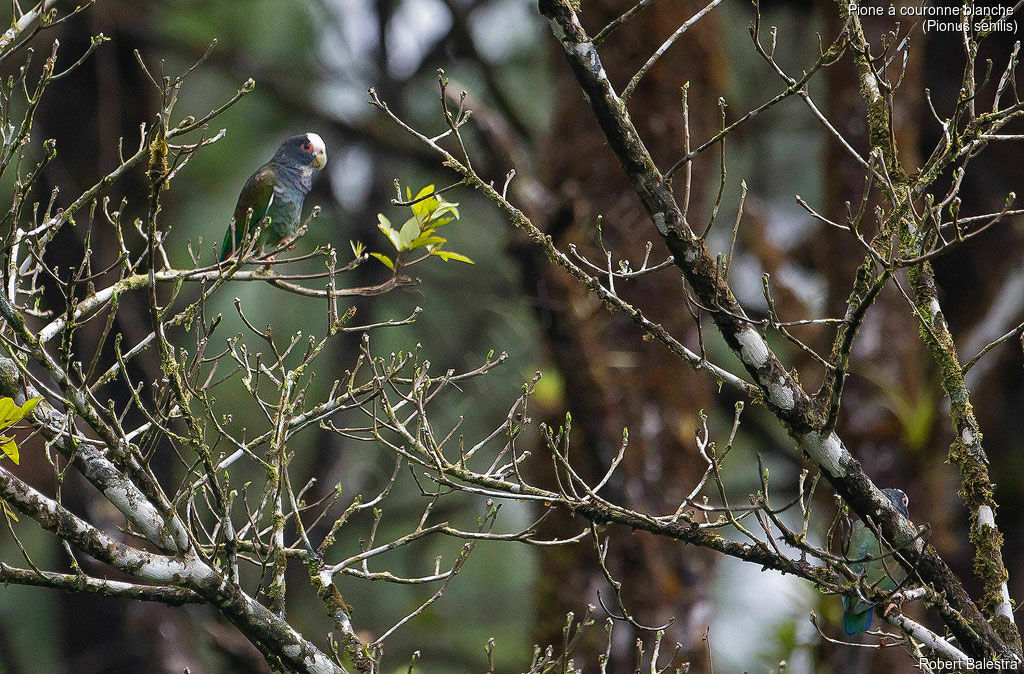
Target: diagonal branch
x=783, y=395
x=966, y=452
x=251, y=617
x=168, y=534
x=72, y=583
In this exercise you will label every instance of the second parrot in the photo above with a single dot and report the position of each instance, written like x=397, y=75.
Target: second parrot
x=883, y=572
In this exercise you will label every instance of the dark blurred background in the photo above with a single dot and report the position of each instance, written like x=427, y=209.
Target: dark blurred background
x=313, y=62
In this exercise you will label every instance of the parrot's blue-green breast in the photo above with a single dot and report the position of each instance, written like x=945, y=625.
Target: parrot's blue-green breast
x=276, y=191
x=883, y=573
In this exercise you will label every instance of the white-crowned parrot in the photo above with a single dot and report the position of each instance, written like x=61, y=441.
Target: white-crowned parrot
x=276, y=191
x=883, y=572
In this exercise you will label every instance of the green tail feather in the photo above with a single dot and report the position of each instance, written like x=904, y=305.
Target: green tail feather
x=855, y=623
x=229, y=246
x=225, y=250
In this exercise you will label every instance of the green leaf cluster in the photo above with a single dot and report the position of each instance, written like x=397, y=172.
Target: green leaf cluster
x=10, y=414
x=429, y=212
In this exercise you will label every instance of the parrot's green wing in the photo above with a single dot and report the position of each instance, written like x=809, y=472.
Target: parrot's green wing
x=884, y=574
x=257, y=195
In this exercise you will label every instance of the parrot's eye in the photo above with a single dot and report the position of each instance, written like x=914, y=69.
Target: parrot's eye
x=307, y=146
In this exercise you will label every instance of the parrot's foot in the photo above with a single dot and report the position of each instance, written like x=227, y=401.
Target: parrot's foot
x=286, y=243
x=886, y=610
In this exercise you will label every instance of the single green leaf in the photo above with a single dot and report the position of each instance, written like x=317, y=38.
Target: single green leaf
x=423, y=209
x=447, y=255
x=445, y=208
x=384, y=259
x=10, y=413
x=425, y=239
x=10, y=448
x=443, y=214
x=385, y=226
x=410, y=230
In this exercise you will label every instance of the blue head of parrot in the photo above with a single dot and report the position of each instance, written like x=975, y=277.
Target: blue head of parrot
x=303, y=150
x=899, y=500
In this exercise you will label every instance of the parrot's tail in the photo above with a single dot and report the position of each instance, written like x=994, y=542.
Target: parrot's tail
x=228, y=248
x=855, y=623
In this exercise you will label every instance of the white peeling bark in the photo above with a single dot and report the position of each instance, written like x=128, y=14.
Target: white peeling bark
x=187, y=570
x=986, y=518
x=167, y=534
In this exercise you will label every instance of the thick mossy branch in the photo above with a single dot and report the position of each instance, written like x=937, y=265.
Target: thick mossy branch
x=782, y=393
x=967, y=452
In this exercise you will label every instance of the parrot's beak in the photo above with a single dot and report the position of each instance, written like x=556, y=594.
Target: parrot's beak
x=320, y=159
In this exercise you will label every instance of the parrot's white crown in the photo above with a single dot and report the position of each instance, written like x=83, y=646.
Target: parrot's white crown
x=317, y=142
x=319, y=150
